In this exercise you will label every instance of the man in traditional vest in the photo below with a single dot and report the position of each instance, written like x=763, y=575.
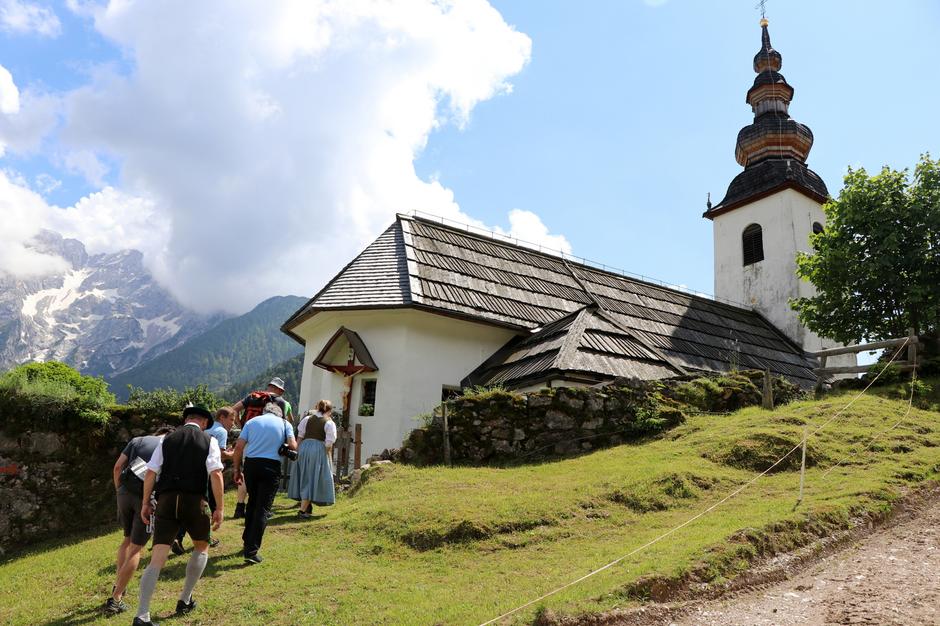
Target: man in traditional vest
x=250, y=407
x=260, y=442
x=130, y=490
x=188, y=460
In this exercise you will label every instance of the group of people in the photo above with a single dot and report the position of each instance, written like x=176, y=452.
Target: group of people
x=170, y=484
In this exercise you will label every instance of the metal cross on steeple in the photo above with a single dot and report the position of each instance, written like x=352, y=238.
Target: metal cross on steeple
x=762, y=5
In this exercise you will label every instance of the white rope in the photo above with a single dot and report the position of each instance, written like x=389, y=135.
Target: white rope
x=702, y=513
x=910, y=405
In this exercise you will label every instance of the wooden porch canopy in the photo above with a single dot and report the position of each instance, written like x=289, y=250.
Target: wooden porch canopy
x=345, y=353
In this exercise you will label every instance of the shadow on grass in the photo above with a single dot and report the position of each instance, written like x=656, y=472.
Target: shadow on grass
x=48, y=545
x=84, y=616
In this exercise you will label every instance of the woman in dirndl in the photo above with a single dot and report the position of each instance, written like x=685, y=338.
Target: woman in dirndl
x=311, y=480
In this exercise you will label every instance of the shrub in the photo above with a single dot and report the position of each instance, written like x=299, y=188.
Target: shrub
x=366, y=410
x=170, y=402
x=53, y=394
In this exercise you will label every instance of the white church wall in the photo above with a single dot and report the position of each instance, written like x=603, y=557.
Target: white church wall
x=786, y=219
x=417, y=353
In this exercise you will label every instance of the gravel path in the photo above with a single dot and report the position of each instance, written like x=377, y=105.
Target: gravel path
x=891, y=577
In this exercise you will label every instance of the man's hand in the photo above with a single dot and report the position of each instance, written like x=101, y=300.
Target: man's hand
x=239, y=477
x=145, y=511
x=217, y=519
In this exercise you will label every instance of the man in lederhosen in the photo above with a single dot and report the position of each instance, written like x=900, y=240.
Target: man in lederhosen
x=188, y=460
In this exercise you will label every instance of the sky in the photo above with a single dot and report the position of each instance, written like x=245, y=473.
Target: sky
x=251, y=149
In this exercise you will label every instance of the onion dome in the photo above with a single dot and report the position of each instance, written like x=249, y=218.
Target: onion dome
x=774, y=148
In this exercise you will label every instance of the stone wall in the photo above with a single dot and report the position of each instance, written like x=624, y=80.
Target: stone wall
x=500, y=426
x=57, y=481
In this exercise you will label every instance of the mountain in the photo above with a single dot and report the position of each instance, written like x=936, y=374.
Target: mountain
x=290, y=371
x=233, y=351
x=104, y=315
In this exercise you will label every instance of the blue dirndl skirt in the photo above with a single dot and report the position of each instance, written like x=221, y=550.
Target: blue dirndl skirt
x=311, y=478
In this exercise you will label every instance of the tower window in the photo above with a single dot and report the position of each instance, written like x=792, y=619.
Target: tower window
x=817, y=228
x=753, y=243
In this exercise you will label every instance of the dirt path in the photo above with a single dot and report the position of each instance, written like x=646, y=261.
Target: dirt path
x=890, y=577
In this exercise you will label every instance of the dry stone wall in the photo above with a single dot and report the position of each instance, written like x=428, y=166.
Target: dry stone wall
x=57, y=482
x=499, y=426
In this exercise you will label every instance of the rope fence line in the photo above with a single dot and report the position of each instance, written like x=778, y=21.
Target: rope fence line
x=910, y=406
x=705, y=511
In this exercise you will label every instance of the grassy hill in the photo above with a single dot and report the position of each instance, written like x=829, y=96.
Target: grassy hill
x=463, y=545
x=234, y=351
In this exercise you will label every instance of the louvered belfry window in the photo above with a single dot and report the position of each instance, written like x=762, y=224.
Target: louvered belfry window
x=753, y=241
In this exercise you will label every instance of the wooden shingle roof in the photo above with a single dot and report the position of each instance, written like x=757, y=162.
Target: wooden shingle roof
x=423, y=264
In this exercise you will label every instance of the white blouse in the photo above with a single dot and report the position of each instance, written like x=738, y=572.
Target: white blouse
x=329, y=428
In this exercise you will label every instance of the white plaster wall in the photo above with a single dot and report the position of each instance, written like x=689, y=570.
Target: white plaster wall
x=786, y=220
x=417, y=354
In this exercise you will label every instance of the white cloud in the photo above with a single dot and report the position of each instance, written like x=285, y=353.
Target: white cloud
x=24, y=212
x=17, y=16
x=25, y=118
x=9, y=94
x=261, y=145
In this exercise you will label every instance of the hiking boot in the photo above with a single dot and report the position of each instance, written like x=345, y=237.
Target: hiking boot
x=304, y=514
x=177, y=548
x=113, y=607
x=268, y=514
x=182, y=608
x=141, y=622
x=213, y=542
x=253, y=559
x=239, y=510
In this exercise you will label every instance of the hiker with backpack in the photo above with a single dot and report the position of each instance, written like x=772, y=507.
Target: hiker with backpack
x=252, y=406
x=130, y=467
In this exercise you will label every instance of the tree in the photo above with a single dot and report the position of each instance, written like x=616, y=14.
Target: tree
x=876, y=266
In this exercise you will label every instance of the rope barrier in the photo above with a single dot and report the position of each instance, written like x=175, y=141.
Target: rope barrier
x=910, y=405
x=702, y=513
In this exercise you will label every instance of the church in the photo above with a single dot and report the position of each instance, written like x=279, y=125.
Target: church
x=430, y=307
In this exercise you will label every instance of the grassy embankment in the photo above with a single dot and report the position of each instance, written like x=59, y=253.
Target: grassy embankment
x=460, y=546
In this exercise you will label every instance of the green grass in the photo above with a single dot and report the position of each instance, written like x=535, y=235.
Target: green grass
x=463, y=545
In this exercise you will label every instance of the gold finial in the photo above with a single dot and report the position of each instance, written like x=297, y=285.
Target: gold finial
x=764, y=22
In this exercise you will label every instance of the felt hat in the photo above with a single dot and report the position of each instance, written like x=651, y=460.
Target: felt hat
x=201, y=411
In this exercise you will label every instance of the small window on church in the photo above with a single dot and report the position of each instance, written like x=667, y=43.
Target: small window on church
x=817, y=228
x=753, y=242
x=367, y=402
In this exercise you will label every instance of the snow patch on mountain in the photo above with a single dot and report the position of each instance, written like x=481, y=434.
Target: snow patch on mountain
x=104, y=315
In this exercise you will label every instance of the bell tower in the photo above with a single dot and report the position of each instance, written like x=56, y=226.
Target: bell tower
x=770, y=208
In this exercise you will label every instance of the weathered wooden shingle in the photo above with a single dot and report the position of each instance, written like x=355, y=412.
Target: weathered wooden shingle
x=423, y=264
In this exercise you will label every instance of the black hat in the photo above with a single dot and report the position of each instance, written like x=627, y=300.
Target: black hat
x=201, y=411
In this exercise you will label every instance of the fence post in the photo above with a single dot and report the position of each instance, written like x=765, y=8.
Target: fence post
x=802, y=467
x=911, y=347
x=820, y=377
x=767, y=401
x=357, y=459
x=446, y=434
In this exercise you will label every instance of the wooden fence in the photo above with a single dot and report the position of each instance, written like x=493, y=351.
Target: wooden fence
x=904, y=365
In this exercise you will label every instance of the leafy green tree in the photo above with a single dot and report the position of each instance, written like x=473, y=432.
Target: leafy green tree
x=876, y=267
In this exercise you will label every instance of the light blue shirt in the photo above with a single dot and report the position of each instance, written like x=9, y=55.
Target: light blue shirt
x=264, y=435
x=221, y=435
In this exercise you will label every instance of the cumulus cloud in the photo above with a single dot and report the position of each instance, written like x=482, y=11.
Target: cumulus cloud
x=24, y=211
x=259, y=146
x=25, y=118
x=273, y=140
x=17, y=16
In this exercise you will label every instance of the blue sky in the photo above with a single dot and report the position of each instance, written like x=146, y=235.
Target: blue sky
x=622, y=115
x=627, y=115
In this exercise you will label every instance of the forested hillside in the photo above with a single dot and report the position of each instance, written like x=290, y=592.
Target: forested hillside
x=290, y=371
x=236, y=350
